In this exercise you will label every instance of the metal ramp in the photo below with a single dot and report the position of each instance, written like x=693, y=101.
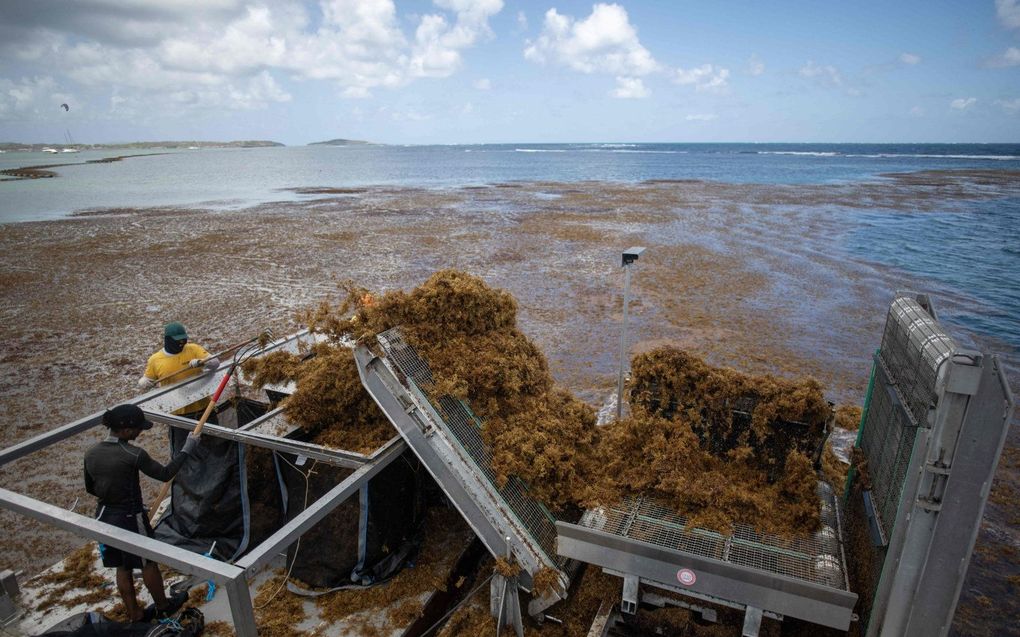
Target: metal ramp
x=644, y=542
x=506, y=518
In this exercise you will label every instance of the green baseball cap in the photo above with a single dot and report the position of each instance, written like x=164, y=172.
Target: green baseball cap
x=175, y=331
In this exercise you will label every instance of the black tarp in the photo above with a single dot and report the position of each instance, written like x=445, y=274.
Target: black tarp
x=234, y=498
x=209, y=504
x=366, y=539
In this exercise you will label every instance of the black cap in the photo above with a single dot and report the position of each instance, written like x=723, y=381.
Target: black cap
x=126, y=417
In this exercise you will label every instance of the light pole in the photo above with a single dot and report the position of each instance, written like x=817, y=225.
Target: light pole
x=630, y=255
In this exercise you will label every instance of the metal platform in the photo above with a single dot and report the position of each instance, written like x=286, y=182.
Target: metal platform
x=451, y=448
x=643, y=541
x=262, y=432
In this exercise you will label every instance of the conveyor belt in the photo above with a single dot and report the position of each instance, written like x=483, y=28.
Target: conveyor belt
x=448, y=441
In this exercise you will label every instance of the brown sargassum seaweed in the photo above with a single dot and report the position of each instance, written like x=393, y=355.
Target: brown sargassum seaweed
x=714, y=444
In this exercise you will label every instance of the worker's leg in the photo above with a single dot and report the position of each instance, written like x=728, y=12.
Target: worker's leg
x=126, y=588
x=154, y=582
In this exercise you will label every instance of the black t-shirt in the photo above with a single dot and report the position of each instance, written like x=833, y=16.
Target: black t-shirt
x=111, y=472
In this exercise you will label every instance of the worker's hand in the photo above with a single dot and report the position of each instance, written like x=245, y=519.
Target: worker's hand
x=189, y=445
x=146, y=383
x=195, y=362
x=211, y=364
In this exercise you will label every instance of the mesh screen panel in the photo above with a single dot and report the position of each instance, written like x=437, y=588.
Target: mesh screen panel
x=464, y=428
x=816, y=558
x=903, y=394
x=913, y=348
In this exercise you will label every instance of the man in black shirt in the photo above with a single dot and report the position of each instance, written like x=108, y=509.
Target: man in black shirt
x=111, y=474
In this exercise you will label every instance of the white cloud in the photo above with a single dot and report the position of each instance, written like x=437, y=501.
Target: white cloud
x=827, y=75
x=437, y=44
x=232, y=54
x=701, y=117
x=1012, y=107
x=1009, y=13
x=482, y=84
x=704, y=78
x=629, y=88
x=356, y=93
x=522, y=21
x=408, y=116
x=917, y=111
x=910, y=58
x=604, y=42
x=963, y=103
x=31, y=96
x=1009, y=57
x=755, y=66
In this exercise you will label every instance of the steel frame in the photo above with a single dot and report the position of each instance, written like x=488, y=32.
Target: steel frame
x=747, y=586
x=959, y=402
x=234, y=578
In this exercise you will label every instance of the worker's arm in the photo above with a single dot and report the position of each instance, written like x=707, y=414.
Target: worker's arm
x=149, y=376
x=202, y=358
x=154, y=470
x=208, y=364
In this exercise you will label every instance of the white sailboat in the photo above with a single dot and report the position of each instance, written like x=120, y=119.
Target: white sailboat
x=69, y=141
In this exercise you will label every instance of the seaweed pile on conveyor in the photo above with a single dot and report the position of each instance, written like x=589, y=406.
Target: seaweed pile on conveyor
x=717, y=445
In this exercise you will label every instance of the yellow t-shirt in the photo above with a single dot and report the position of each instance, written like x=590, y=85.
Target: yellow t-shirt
x=162, y=364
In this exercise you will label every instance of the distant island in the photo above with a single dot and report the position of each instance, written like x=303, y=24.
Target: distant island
x=340, y=142
x=193, y=145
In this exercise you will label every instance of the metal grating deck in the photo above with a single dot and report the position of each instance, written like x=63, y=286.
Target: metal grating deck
x=465, y=428
x=818, y=559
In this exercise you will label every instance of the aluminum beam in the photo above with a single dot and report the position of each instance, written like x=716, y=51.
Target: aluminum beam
x=977, y=451
x=269, y=415
x=290, y=532
x=242, y=614
x=752, y=622
x=189, y=390
x=492, y=524
x=22, y=449
x=747, y=586
x=141, y=545
x=334, y=457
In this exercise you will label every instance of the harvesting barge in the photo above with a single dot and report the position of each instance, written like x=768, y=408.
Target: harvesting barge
x=887, y=558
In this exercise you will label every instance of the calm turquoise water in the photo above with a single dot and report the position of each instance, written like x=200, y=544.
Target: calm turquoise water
x=239, y=177
x=971, y=248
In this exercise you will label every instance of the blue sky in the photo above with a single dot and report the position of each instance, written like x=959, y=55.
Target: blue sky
x=473, y=71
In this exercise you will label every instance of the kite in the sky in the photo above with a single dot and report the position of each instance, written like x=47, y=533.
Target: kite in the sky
x=65, y=107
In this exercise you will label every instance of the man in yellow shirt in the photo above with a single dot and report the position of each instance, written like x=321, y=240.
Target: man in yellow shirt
x=178, y=355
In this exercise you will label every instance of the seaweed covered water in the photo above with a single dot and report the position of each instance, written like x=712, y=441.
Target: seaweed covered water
x=767, y=277
x=239, y=177
x=963, y=248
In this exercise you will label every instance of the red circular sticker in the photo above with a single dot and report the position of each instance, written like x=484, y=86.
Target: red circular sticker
x=686, y=577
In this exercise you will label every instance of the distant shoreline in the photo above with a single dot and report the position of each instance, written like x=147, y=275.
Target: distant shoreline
x=9, y=147
x=185, y=145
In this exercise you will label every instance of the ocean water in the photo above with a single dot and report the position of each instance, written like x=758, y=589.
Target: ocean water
x=971, y=248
